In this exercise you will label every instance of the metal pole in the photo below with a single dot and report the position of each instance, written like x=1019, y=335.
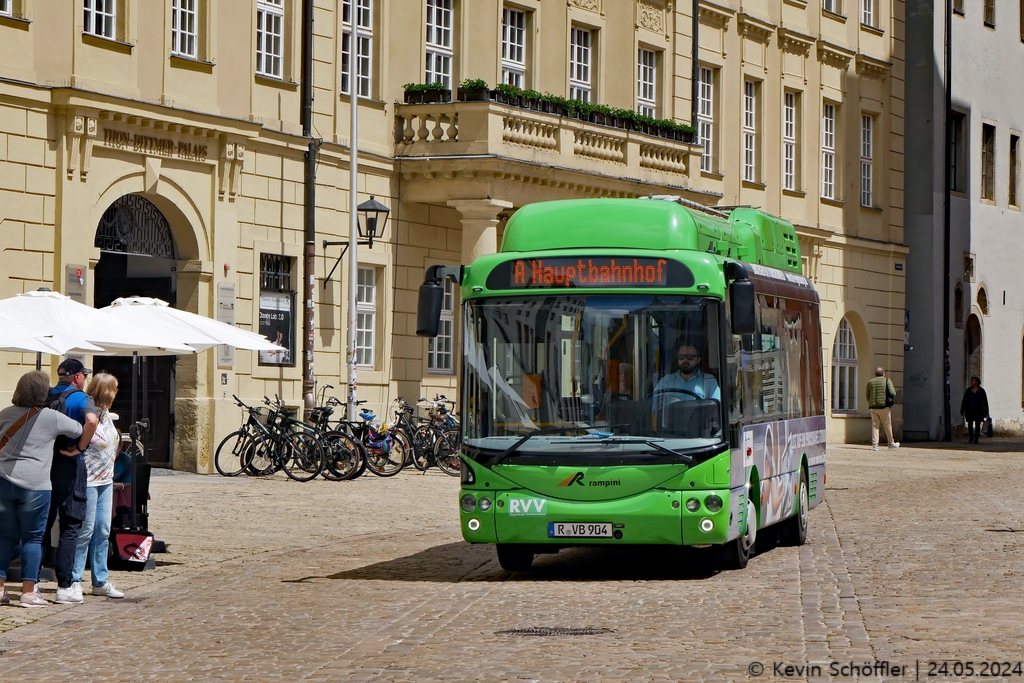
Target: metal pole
x=695, y=58
x=353, y=234
x=947, y=428
x=309, y=213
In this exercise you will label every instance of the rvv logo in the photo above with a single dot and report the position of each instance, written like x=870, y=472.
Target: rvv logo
x=526, y=506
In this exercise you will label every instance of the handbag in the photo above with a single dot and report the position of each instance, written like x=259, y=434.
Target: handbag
x=988, y=427
x=131, y=548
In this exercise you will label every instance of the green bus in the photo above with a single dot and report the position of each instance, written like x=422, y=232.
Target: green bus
x=637, y=371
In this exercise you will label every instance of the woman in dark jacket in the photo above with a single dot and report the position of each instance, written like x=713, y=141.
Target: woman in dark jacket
x=974, y=408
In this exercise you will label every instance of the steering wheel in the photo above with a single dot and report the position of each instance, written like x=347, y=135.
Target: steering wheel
x=669, y=400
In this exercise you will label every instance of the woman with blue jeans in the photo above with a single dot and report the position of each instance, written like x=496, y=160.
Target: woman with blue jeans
x=27, y=434
x=99, y=465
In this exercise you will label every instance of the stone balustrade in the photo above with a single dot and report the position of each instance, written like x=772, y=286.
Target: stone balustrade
x=488, y=128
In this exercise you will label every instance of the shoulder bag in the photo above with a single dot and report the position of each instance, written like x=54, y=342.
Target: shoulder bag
x=32, y=412
x=890, y=397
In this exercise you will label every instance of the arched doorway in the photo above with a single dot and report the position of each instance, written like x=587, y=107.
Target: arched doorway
x=138, y=258
x=972, y=364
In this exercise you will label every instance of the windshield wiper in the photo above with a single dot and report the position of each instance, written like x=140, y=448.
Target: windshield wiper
x=685, y=457
x=540, y=432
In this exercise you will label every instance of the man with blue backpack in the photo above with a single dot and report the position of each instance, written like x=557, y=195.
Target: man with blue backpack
x=68, y=475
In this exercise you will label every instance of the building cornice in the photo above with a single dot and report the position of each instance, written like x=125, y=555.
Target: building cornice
x=754, y=27
x=794, y=41
x=834, y=55
x=715, y=15
x=872, y=68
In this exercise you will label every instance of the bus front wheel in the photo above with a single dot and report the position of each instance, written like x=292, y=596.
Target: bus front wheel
x=513, y=558
x=736, y=553
x=795, y=528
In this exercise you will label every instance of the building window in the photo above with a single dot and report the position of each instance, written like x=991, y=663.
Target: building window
x=277, y=314
x=439, y=349
x=183, y=28
x=789, y=129
x=439, y=42
x=269, y=38
x=958, y=152
x=867, y=125
x=100, y=18
x=366, y=316
x=990, y=13
x=867, y=12
x=830, y=6
x=988, y=161
x=579, y=64
x=750, y=170
x=983, y=301
x=958, y=306
x=958, y=7
x=5, y=8
x=513, y=47
x=646, y=82
x=706, y=118
x=844, y=370
x=1014, y=170
x=1021, y=14
x=828, y=151
x=364, y=45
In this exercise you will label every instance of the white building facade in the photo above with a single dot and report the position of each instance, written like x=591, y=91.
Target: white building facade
x=986, y=297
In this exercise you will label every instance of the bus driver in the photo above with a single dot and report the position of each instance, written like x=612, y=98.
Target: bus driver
x=690, y=378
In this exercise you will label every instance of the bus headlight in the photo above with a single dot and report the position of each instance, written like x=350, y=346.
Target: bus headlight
x=693, y=505
x=706, y=525
x=468, y=502
x=713, y=503
x=485, y=504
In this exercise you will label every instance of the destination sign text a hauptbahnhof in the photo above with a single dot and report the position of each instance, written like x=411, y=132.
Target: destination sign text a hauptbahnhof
x=589, y=272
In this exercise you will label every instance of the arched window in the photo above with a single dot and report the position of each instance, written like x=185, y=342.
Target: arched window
x=844, y=370
x=983, y=301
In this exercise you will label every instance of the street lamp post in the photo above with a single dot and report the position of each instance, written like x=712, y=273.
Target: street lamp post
x=369, y=220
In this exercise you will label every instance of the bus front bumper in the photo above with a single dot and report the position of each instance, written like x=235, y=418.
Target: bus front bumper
x=656, y=517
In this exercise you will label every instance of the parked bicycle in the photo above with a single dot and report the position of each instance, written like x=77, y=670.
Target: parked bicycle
x=437, y=441
x=270, y=440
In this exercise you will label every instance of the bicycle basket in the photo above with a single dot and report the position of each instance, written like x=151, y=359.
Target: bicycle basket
x=261, y=415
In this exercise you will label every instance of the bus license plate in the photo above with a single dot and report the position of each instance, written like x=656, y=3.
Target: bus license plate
x=579, y=530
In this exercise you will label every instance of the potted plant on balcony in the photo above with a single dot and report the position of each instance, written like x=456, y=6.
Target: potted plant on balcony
x=473, y=90
x=421, y=93
x=531, y=99
x=507, y=94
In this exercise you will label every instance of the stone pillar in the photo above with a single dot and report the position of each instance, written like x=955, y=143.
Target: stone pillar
x=479, y=225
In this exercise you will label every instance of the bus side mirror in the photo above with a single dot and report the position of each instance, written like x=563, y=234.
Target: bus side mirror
x=428, y=314
x=742, y=309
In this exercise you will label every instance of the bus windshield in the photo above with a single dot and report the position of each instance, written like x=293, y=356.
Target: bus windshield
x=602, y=374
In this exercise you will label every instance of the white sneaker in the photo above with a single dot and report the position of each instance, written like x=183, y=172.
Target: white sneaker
x=107, y=590
x=72, y=595
x=874, y=448
x=33, y=599
x=894, y=444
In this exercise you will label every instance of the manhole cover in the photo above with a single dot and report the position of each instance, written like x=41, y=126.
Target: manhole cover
x=554, y=631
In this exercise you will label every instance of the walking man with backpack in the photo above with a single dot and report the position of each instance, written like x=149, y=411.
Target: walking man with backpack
x=68, y=475
x=881, y=397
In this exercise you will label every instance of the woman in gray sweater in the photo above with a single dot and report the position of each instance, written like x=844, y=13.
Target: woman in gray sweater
x=27, y=435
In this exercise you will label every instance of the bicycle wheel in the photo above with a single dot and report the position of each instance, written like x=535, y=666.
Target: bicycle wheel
x=234, y=453
x=262, y=463
x=423, y=447
x=304, y=457
x=446, y=453
x=402, y=438
x=342, y=458
x=386, y=464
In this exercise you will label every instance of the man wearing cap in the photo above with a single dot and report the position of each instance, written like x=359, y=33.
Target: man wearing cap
x=68, y=475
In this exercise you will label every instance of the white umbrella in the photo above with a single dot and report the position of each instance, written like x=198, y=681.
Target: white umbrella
x=16, y=336
x=52, y=314
x=182, y=327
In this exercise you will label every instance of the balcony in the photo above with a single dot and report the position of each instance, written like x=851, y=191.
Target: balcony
x=522, y=155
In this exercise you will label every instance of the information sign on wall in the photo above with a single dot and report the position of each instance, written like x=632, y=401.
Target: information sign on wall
x=226, y=314
x=277, y=323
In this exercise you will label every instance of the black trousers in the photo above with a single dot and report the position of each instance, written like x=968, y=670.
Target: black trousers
x=67, y=502
x=974, y=427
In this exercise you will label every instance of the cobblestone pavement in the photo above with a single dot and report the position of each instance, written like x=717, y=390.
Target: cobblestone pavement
x=913, y=557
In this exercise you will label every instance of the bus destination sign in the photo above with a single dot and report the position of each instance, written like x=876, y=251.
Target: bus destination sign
x=589, y=272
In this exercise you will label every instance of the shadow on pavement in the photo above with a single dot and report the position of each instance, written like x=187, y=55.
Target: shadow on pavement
x=457, y=562
x=994, y=445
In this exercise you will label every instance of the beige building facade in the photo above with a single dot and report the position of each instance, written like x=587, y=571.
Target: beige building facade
x=154, y=148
